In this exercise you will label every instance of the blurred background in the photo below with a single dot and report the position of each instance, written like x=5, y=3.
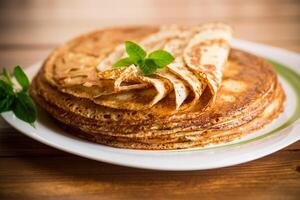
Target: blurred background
x=30, y=29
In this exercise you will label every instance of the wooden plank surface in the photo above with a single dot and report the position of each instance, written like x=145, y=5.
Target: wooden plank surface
x=30, y=30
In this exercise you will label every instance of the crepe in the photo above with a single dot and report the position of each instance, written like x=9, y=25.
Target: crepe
x=238, y=95
x=184, y=78
x=210, y=43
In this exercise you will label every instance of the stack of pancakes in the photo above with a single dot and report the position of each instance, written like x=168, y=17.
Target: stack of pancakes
x=210, y=94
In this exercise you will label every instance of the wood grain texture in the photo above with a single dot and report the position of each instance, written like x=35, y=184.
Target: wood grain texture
x=30, y=30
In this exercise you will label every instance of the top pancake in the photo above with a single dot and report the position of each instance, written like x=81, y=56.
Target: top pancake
x=72, y=68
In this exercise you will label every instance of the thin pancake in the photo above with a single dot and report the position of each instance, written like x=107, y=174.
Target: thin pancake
x=186, y=139
x=68, y=71
x=68, y=87
x=201, y=43
x=134, y=125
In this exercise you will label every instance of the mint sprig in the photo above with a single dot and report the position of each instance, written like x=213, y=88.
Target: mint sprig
x=6, y=96
x=21, y=78
x=15, y=100
x=138, y=56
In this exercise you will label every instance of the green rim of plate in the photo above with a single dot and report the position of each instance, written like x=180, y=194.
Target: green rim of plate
x=293, y=79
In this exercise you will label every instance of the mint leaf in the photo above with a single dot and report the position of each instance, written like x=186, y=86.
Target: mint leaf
x=125, y=62
x=21, y=78
x=5, y=88
x=134, y=51
x=6, y=96
x=148, y=67
x=17, y=101
x=6, y=103
x=161, y=58
x=24, y=107
x=137, y=56
x=6, y=77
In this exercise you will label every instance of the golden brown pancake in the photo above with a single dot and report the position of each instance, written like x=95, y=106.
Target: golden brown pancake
x=249, y=97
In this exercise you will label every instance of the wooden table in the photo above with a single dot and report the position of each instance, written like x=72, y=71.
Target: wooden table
x=31, y=170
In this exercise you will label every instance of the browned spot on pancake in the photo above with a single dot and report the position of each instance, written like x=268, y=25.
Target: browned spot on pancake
x=234, y=86
x=197, y=49
x=209, y=68
x=228, y=98
x=219, y=42
x=231, y=71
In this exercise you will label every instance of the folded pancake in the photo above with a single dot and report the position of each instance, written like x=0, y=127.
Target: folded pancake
x=243, y=94
x=207, y=52
x=126, y=88
x=209, y=42
x=72, y=68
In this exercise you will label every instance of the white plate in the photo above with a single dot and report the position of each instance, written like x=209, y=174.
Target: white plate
x=281, y=133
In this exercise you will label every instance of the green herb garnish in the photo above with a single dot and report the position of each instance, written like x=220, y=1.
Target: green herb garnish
x=17, y=100
x=138, y=57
